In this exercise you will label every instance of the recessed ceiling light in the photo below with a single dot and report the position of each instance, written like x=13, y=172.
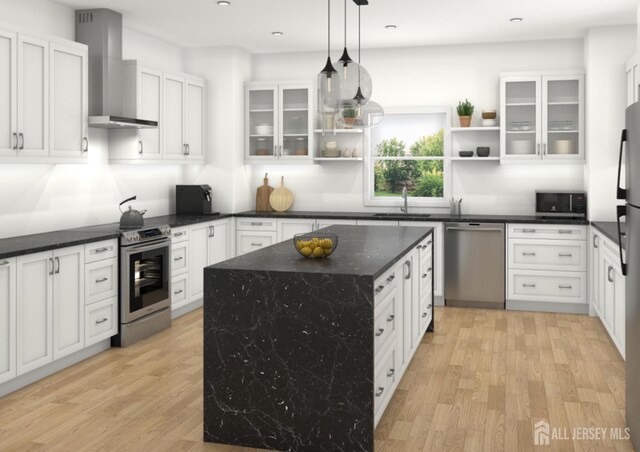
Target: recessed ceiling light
x=516, y=19
x=224, y=3
x=277, y=33
x=390, y=27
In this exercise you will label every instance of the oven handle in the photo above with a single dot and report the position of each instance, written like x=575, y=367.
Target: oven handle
x=147, y=246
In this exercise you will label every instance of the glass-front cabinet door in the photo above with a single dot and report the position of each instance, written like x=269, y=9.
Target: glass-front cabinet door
x=520, y=117
x=295, y=125
x=563, y=117
x=262, y=125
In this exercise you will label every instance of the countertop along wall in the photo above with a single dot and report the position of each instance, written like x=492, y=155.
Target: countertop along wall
x=39, y=198
x=431, y=76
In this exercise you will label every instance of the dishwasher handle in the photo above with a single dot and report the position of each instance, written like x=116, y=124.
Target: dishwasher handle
x=455, y=228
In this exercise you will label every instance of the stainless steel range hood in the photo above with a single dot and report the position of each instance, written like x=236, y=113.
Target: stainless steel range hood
x=101, y=30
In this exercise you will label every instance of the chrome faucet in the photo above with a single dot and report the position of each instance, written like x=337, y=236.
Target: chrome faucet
x=404, y=209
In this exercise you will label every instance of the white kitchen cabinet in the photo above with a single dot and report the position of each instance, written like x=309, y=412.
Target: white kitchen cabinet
x=278, y=122
x=376, y=223
x=632, y=69
x=248, y=241
x=438, y=250
x=326, y=222
x=101, y=321
x=69, y=101
x=68, y=301
x=595, y=272
x=613, y=297
x=101, y=280
x=183, y=117
x=179, y=291
x=209, y=243
x=8, y=94
x=7, y=319
x=289, y=227
x=35, y=311
x=542, y=117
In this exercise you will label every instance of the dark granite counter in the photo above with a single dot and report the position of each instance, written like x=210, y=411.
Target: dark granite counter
x=467, y=218
x=289, y=343
x=610, y=230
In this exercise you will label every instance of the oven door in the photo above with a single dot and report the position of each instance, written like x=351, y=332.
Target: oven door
x=145, y=278
x=553, y=204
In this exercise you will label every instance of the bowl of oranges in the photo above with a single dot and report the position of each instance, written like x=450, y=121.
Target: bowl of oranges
x=315, y=245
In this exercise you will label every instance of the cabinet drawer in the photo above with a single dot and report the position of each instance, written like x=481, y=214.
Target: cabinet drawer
x=179, y=293
x=256, y=224
x=101, y=321
x=386, y=318
x=179, y=258
x=251, y=241
x=547, y=231
x=100, y=250
x=179, y=235
x=385, y=283
x=384, y=379
x=101, y=280
x=426, y=309
x=567, y=287
x=568, y=255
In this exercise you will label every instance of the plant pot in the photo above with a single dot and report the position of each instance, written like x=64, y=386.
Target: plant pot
x=348, y=123
x=465, y=121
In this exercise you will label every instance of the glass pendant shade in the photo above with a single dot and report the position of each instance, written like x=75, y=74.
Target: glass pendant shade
x=351, y=76
x=370, y=114
x=329, y=86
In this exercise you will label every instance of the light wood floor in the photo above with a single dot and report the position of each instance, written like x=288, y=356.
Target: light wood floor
x=478, y=384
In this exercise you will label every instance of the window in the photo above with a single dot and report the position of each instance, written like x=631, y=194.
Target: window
x=409, y=149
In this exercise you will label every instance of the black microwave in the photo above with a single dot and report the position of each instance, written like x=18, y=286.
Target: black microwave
x=567, y=204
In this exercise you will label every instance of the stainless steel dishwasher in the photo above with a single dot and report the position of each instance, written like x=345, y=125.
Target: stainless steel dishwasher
x=474, y=265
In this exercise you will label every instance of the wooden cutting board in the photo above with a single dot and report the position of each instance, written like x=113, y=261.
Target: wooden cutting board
x=281, y=198
x=262, y=196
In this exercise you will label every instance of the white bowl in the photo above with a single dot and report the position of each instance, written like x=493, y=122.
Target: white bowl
x=264, y=129
x=330, y=145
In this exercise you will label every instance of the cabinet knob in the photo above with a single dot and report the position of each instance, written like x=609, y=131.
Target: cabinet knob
x=379, y=332
x=390, y=318
x=424, y=314
x=379, y=288
x=391, y=372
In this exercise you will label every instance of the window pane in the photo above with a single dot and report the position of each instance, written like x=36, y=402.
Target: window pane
x=406, y=129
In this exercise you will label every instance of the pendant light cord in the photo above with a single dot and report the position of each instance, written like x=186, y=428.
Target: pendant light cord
x=329, y=28
x=345, y=24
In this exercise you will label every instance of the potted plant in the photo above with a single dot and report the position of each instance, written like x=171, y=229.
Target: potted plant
x=465, y=111
x=349, y=115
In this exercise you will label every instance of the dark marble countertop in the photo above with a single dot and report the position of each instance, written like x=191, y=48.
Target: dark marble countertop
x=466, y=218
x=35, y=243
x=361, y=251
x=610, y=230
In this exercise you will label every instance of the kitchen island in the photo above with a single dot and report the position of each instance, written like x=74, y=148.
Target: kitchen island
x=304, y=354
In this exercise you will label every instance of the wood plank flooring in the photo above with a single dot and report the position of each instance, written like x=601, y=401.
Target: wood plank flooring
x=480, y=383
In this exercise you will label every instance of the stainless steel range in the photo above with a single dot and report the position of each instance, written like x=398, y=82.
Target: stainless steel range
x=145, y=278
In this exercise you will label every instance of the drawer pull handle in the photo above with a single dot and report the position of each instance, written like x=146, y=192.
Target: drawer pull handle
x=178, y=292
x=528, y=285
x=565, y=287
x=595, y=241
x=529, y=231
x=102, y=320
x=179, y=258
x=101, y=280
x=391, y=278
x=256, y=223
x=179, y=234
x=528, y=254
x=565, y=231
x=424, y=275
x=609, y=270
x=424, y=314
x=429, y=307
x=379, y=288
x=379, y=332
x=102, y=250
x=4, y=263
x=390, y=318
x=391, y=372
x=565, y=255
x=256, y=244
x=419, y=247
x=379, y=391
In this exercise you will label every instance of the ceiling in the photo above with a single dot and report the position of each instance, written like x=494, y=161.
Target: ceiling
x=248, y=23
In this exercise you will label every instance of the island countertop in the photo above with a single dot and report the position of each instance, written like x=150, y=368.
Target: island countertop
x=361, y=251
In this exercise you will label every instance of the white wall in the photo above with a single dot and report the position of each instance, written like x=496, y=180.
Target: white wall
x=39, y=198
x=606, y=50
x=432, y=76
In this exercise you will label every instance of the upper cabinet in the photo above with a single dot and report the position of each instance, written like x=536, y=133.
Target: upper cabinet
x=45, y=93
x=278, y=122
x=632, y=69
x=183, y=117
x=542, y=117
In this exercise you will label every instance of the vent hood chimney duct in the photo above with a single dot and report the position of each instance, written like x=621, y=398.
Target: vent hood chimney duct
x=101, y=30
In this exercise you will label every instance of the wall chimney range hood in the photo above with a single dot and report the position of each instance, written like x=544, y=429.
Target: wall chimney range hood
x=101, y=30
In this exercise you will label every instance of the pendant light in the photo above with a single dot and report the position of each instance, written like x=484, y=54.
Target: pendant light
x=352, y=75
x=328, y=80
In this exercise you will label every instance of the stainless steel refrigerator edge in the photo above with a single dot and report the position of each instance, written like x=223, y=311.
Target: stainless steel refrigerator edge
x=632, y=267
x=474, y=265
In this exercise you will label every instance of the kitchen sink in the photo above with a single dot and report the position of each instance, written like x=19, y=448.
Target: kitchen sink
x=401, y=215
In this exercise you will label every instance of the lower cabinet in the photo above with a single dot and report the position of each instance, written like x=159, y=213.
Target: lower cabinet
x=101, y=291
x=255, y=233
x=68, y=301
x=209, y=243
x=7, y=319
x=100, y=321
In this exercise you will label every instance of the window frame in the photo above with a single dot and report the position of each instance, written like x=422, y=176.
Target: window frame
x=370, y=200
